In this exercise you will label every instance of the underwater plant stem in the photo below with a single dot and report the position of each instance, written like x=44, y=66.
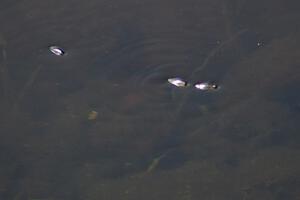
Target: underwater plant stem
x=206, y=62
x=215, y=51
x=26, y=87
x=4, y=74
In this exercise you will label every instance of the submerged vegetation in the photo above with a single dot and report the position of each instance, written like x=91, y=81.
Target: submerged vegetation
x=69, y=132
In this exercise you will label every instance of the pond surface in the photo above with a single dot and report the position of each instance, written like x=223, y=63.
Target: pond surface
x=101, y=121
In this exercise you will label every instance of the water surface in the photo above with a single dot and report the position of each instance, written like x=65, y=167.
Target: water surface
x=148, y=139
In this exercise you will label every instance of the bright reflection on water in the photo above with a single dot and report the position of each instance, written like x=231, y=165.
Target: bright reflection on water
x=103, y=122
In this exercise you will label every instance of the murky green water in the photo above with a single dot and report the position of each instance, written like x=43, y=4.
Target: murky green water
x=102, y=121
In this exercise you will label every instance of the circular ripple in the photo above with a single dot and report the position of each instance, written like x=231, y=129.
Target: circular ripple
x=147, y=63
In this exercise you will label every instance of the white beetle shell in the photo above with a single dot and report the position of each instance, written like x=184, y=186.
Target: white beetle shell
x=178, y=82
x=206, y=86
x=57, y=50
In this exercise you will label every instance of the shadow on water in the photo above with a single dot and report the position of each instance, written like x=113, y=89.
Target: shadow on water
x=102, y=122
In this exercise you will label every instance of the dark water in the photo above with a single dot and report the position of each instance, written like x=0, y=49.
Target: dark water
x=149, y=140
